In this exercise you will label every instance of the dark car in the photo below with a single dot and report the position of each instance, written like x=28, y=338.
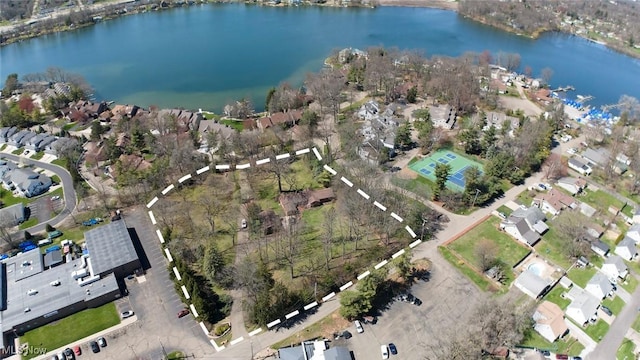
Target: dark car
x=393, y=349
x=182, y=313
x=69, y=353
x=346, y=334
x=94, y=347
x=606, y=310
x=417, y=302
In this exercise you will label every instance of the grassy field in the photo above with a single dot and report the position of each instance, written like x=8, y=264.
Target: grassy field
x=568, y=345
x=636, y=324
x=481, y=281
x=72, y=328
x=323, y=328
x=626, y=350
x=29, y=223
x=600, y=200
x=420, y=186
x=630, y=284
x=18, y=151
x=236, y=125
x=616, y=304
x=510, y=252
x=505, y=210
x=555, y=297
x=550, y=246
x=37, y=156
x=60, y=162
x=598, y=330
x=581, y=276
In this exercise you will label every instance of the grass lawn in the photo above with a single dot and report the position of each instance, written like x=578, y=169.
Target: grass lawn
x=175, y=355
x=60, y=162
x=581, y=276
x=598, y=330
x=324, y=328
x=568, y=345
x=29, y=223
x=420, y=186
x=72, y=328
x=481, y=281
x=550, y=246
x=505, y=210
x=509, y=251
x=526, y=197
x=236, y=125
x=630, y=284
x=4, y=146
x=37, y=156
x=600, y=200
x=626, y=350
x=636, y=324
x=555, y=297
x=18, y=151
x=616, y=304
x=7, y=198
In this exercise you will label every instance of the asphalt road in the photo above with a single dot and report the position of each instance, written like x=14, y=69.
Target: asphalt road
x=70, y=199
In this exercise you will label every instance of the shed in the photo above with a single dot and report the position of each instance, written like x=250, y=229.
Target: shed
x=52, y=259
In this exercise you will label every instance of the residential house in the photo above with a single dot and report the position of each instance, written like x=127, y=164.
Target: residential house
x=623, y=159
x=543, y=95
x=13, y=215
x=634, y=233
x=26, y=182
x=554, y=201
x=600, y=248
x=499, y=120
x=34, y=141
x=320, y=197
x=58, y=145
x=587, y=210
x=636, y=213
x=210, y=126
x=572, y=185
x=6, y=167
x=130, y=162
x=599, y=286
x=314, y=350
x=525, y=225
x=601, y=157
x=583, y=307
x=443, y=116
x=285, y=119
x=594, y=230
x=6, y=133
x=579, y=166
x=549, y=321
x=16, y=139
x=369, y=110
x=531, y=284
x=615, y=268
x=627, y=248
x=291, y=201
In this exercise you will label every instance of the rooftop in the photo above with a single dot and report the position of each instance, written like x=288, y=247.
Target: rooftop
x=110, y=246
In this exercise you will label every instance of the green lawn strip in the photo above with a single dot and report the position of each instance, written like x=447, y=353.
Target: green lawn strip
x=551, y=247
x=600, y=200
x=630, y=283
x=8, y=199
x=18, y=151
x=633, y=265
x=37, y=156
x=72, y=328
x=4, y=146
x=636, y=324
x=509, y=251
x=626, y=351
x=581, y=276
x=174, y=355
x=598, y=330
x=60, y=162
x=420, y=186
x=555, y=296
x=234, y=124
x=615, y=305
x=525, y=197
x=567, y=345
x=505, y=210
x=480, y=281
x=29, y=223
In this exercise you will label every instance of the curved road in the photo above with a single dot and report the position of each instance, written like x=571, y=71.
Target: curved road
x=70, y=199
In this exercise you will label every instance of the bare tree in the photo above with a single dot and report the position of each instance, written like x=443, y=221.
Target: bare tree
x=486, y=252
x=7, y=226
x=328, y=233
x=553, y=167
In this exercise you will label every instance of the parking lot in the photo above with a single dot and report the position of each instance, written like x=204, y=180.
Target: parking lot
x=448, y=300
x=153, y=299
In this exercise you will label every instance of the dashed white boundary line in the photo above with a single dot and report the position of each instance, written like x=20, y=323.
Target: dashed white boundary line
x=309, y=306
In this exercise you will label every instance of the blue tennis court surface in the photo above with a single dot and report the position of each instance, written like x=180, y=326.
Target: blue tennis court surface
x=459, y=165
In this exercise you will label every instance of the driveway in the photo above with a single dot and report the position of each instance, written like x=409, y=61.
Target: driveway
x=155, y=302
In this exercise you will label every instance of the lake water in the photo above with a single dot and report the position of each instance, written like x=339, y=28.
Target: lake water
x=205, y=56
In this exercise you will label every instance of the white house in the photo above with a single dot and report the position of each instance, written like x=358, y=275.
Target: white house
x=627, y=248
x=369, y=110
x=531, y=284
x=599, y=286
x=443, y=116
x=583, y=307
x=572, y=185
x=525, y=225
x=579, y=166
x=549, y=321
x=634, y=233
x=600, y=248
x=615, y=268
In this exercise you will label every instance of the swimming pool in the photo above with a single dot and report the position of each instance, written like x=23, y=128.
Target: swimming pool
x=536, y=268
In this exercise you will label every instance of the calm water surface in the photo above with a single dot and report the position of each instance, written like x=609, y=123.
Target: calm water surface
x=206, y=56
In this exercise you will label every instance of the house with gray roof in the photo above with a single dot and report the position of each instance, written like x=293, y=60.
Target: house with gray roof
x=599, y=286
x=615, y=268
x=45, y=142
x=634, y=233
x=600, y=248
x=584, y=306
x=16, y=138
x=34, y=143
x=525, y=225
x=26, y=182
x=12, y=215
x=5, y=167
x=579, y=166
x=314, y=350
x=531, y=284
x=599, y=157
x=56, y=146
x=627, y=248
x=6, y=133
x=26, y=138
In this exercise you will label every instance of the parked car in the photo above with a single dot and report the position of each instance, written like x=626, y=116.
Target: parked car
x=126, y=314
x=562, y=357
x=182, y=313
x=244, y=223
x=54, y=357
x=417, y=302
x=90, y=222
x=392, y=349
x=94, y=347
x=68, y=353
x=55, y=197
x=606, y=310
x=102, y=342
x=385, y=351
x=546, y=354
x=77, y=350
x=358, y=326
x=61, y=356
x=54, y=234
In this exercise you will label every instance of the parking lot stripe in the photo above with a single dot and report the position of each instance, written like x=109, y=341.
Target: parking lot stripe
x=329, y=296
x=223, y=167
x=204, y=328
x=282, y=156
x=153, y=201
x=363, y=194
x=381, y=264
x=184, y=178
x=200, y=171
x=167, y=189
x=185, y=292
x=397, y=254
x=243, y=166
x=169, y=257
x=160, y=236
x=317, y=154
x=215, y=346
x=364, y=275
x=153, y=218
x=235, y=341
x=175, y=271
x=380, y=206
x=292, y=314
x=255, y=332
x=346, y=286
x=415, y=243
x=263, y=161
x=410, y=231
x=330, y=169
x=274, y=323
x=193, y=310
x=395, y=216
x=302, y=151
x=346, y=181
x=311, y=306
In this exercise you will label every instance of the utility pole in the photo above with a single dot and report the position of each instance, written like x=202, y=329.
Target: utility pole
x=475, y=198
x=422, y=232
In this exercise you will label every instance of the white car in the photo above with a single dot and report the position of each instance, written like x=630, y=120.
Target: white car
x=572, y=151
x=358, y=326
x=244, y=223
x=385, y=351
x=126, y=314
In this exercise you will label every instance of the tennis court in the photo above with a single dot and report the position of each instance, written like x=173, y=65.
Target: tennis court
x=459, y=164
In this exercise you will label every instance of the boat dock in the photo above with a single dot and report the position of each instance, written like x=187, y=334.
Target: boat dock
x=562, y=89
